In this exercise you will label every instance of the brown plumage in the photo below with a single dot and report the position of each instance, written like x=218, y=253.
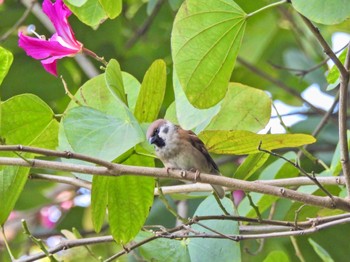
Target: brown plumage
x=182, y=149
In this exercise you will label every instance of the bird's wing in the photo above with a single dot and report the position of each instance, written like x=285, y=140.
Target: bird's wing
x=199, y=145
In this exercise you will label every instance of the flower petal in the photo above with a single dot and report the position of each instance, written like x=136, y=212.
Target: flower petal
x=50, y=64
x=40, y=48
x=58, y=14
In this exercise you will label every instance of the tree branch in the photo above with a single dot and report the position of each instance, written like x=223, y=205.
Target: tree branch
x=343, y=92
x=310, y=227
x=118, y=170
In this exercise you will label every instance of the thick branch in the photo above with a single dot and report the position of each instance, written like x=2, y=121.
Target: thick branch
x=117, y=170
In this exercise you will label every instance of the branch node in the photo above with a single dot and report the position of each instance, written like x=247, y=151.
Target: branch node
x=283, y=191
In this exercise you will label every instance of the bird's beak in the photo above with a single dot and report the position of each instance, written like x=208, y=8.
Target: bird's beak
x=152, y=139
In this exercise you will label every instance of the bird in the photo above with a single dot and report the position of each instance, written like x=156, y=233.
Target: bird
x=182, y=149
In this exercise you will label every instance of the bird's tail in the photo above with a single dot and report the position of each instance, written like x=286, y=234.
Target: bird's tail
x=219, y=191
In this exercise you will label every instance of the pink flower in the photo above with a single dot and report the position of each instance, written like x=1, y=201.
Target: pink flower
x=61, y=44
x=238, y=196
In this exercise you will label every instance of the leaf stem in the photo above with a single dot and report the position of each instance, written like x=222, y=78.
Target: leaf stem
x=95, y=56
x=266, y=7
x=7, y=244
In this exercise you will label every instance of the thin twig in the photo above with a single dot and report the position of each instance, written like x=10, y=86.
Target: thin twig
x=297, y=249
x=278, y=83
x=18, y=23
x=73, y=98
x=295, y=164
x=256, y=209
x=145, y=26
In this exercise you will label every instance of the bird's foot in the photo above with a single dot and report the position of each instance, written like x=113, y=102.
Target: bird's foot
x=196, y=174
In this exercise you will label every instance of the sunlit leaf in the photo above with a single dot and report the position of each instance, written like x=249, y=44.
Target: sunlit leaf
x=6, y=59
x=113, y=8
x=326, y=12
x=245, y=142
x=90, y=12
x=202, y=249
x=152, y=92
x=243, y=108
x=205, y=41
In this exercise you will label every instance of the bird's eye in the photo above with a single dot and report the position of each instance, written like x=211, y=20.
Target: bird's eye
x=155, y=132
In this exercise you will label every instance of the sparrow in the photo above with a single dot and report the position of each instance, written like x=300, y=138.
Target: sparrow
x=182, y=149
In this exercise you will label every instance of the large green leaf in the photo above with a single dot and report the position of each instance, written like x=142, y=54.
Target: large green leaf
x=26, y=120
x=188, y=116
x=101, y=135
x=95, y=93
x=205, y=41
x=326, y=12
x=245, y=142
x=152, y=92
x=6, y=59
x=112, y=7
x=89, y=12
x=215, y=249
x=243, y=108
x=129, y=201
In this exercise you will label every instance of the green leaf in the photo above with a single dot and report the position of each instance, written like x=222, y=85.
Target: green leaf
x=163, y=249
x=26, y=120
x=245, y=142
x=205, y=41
x=114, y=80
x=96, y=94
x=252, y=163
x=113, y=8
x=6, y=59
x=152, y=92
x=129, y=201
x=256, y=32
x=99, y=201
x=12, y=181
x=188, y=116
x=100, y=135
x=132, y=88
x=90, y=13
x=333, y=74
x=214, y=249
x=321, y=252
x=328, y=12
x=243, y=108
x=77, y=3
x=276, y=256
